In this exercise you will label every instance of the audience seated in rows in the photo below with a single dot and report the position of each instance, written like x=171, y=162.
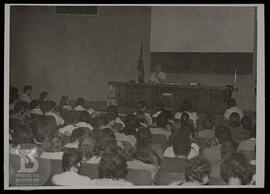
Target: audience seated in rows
x=99, y=149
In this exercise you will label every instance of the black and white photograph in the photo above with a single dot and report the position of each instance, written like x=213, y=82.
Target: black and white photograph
x=134, y=96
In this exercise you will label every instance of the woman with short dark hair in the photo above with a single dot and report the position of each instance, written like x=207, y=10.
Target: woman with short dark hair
x=235, y=170
x=71, y=162
x=112, y=170
x=197, y=172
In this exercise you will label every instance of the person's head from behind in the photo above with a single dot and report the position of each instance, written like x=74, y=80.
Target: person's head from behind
x=80, y=102
x=186, y=106
x=27, y=89
x=45, y=107
x=181, y=146
x=79, y=133
x=109, y=119
x=163, y=119
x=184, y=117
x=223, y=133
x=52, y=105
x=84, y=117
x=144, y=137
x=235, y=170
x=112, y=166
x=141, y=118
x=34, y=104
x=141, y=106
x=21, y=108
x=13, y=94
x=106, y=140
x=198, y=171
x=235, y=120
x=113, y=109
x=43, y=96
x=231, y=103
x=71, y=161
x=22, y=135
x=227, y=149
x=247, y=123
x=88, y=146
x=53, y=141
x=209, y=122
x=63, y=100
x=158, y=68
x=131, y=124
x=186, y=131
x=160, y=106
x=252, y=132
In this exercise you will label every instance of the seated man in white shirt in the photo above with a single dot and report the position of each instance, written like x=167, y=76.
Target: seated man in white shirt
x=158, y=76
x=20, y=111
x=26, y=96
x=232, y=107
x=108, y=120
x=84, y=120
x=118, y=122
x=48, y=108
x=13, y=97
x=79, y=106
x=141, y=110
x=34, y=108
x=71, y=162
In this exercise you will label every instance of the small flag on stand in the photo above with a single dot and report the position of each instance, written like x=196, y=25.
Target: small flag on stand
x=235, y=77
x=140, y=66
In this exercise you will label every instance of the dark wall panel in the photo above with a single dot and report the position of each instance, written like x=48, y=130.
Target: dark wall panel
x=203, y=63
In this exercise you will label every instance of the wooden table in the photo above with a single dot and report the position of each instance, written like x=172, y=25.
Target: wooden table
x=204, y=99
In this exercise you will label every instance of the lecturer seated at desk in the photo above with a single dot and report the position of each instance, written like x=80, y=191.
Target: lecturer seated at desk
x=158, y=76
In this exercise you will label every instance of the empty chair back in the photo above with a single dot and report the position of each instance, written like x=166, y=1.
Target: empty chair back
x=90, y=170
x=171, y=170
x=139, y=177
x=216, y=181
x=173, y=164
x=165, y=177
